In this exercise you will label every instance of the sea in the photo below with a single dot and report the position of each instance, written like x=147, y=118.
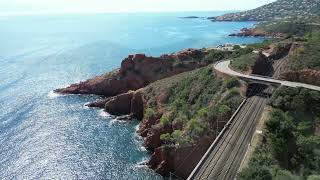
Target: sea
x=44, y=135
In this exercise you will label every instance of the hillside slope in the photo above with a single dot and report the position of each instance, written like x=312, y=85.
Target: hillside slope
x=281, y=9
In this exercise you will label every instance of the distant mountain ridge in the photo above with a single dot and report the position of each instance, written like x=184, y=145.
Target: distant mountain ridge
x=281, y=9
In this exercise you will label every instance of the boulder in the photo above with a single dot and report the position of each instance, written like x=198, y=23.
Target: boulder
x=120, y=104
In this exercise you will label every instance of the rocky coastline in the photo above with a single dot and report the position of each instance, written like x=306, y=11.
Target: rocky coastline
x=137, y=71
x=125, y=95
x=143, y=82
x=253, y=32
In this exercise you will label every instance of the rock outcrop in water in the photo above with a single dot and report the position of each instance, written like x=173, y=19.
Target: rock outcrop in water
x=245, y=32
x=136, y=72
x=179, y=160
x=136, y=97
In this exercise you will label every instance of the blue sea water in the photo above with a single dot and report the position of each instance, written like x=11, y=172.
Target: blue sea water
x=45, y=136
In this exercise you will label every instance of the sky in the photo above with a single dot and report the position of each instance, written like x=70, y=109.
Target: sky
x=8, y=7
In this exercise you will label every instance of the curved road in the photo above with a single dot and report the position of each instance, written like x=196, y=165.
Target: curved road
x=223, y=159
x=223, y=67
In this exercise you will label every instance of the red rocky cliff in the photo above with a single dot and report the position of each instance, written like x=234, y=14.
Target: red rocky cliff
x=136, y=72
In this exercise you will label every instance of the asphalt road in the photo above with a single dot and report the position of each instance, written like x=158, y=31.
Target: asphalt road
x=223, y=66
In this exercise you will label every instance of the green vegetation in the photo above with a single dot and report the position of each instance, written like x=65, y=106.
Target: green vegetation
x=241, y=52
x=176, y=137
x=193, y=105
x=244, y=62
x=232, y=82
x=281, y=9
x=216, y=55
x=292, y=146
x=166, y=119
x=262, y=46
x=191, y=101
x=236, y=47
x=149, y=112
x=290, y=27
x=307, y=55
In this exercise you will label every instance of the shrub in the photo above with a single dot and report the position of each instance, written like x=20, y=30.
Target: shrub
x=202, y=112
x=149, y=112
x=286, y=175
x=261, y=46
x=232, y=82
x=242, y=51
x=166, y=119
x=234, y=91
x=166, y=137
x=256, y=173
x=178, y=137
x=236, y=47
x=224, y=110
x=314, y=177
x=195, y=127
x=244, y=62
x=215, y=55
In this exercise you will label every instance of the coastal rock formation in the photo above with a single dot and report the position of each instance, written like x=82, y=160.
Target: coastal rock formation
x=190, y=17
x=245, y=32
x=144, y=88
x=99, y=103
x=135, y=104
x=180, y=160
x=127, y=105
x=136, y=72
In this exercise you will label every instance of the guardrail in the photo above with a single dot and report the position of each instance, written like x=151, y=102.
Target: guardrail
x=206, y=155
x=263, y=81
x=268, y=77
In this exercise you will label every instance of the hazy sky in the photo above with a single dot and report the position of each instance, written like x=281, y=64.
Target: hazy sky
x=91, y=6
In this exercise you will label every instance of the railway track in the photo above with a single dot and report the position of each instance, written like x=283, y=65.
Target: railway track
x=277, y=66
x=224, y=160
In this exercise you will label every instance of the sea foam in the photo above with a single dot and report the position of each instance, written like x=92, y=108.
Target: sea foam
x=53, y=95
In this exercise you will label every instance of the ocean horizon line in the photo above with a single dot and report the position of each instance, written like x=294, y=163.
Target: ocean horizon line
x=30, y=13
